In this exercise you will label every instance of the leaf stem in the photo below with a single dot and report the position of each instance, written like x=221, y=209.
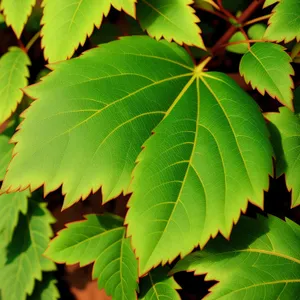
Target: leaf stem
x=33, y=40
x=257, y=20
x=242, y=42
x=216, y=13
x=232, y=29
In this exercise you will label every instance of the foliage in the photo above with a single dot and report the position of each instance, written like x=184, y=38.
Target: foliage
x=149, y=111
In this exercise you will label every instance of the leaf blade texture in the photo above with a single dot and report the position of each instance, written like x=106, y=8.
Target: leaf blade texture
x=284, y=24
x=5, y=154
x=260, y=259
x=100, y=239
x=159, y=285
x=45, y=289
x=267, y=67
x=285, y=136
x=171, y=19
x=24, y=262
x=14, y=73
x=182, y=162
x=77, y=100
x=62, y=34
x=17, y=13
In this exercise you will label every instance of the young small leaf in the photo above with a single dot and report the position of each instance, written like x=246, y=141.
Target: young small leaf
x=257, y=31
x=45, y=289
x=241, y=48
x=100, y=239
x=285, y=136
x=207, y=157
x=13, y=76
x=269, y=2
x=116, y=88
x=68, y=23
x=261, y=261
x=25, y=263
x=171, y=19
x=267, y=67
x=16, y=13
x=284, y=24
x=158, y=285
x=5, y=154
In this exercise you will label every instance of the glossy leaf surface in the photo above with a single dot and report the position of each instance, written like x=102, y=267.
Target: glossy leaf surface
x=100, y=239
x=16, y=13
x=24, y=262
x=284, y=24
x=267, y=67
x=285, y=133
x=261, y=261
x=13, y=76
x=159, y=285
x=170, y=19
x=68, y=23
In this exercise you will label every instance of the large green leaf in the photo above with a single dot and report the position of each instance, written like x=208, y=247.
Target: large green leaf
x=68, y=23
x=25, y=263
x=87, y=129
x=100, y=239
x=284, y=24
x=45, y=289
x=5, y=154
x=285, y=136
x=158, y=285
x=261, y=261
x=16, y=13
x=171, y=19
x=13, y=77
x=267, y=67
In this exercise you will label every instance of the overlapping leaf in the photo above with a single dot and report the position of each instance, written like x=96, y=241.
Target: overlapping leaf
x=45, y=289
x=284, y=24
x=261, y=261
x=270, y=2
x=171, y=19
x=238, y=48
x=16, y=13
x=25, y=263
x=285, y=133
x=100, y=239
x=158, y=285
x=95, y=112
x=5, y=154
x=267, y=67
x=13, y=77
x=92, y=116
x=67, y=23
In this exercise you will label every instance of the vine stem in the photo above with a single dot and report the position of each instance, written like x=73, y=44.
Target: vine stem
x=232, y=29
x=241, y=42
x=257, y=20
x=32, y=41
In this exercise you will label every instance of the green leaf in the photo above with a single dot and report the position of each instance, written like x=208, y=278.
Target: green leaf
x=158, y=285
x=285, y=137
x=270, y=2
x=239, y=48
x=257, y=31
x=10, y=207
x=208, y=156
x=13, y=76
x=68, y=23
x=25, y=263
x=16, y=13
x=170, y=19
x=45, y=289
x=5, y=154
x=261, y=261
x=267, y=67
x=284, y=24
x=117, y=79
x=100, y=239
